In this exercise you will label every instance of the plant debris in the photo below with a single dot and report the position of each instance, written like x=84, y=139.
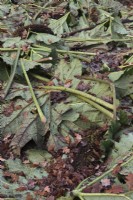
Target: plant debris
x=66, y=92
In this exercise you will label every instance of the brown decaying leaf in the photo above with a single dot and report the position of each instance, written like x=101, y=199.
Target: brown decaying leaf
x=22, y=188
x=129, y=181
x=67, y=139
x=29, y=197
x=9, y=109
x=96, y=188
x=116, y=170
x=78, y=137
x=66, y=150
x=47, y=189
x=14, y=177
x=116, y=189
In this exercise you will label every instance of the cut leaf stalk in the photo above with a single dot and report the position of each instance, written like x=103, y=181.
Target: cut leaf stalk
x=42, y=48
x=82, y=94
x=42, y=117
x=13, y=73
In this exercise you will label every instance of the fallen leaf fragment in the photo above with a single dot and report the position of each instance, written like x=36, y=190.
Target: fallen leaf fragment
x=116, y=170
x=66, y=150
x=78, y=137
x=2, y=159
x=29, y=197
x=22, y=188
x=67, y=139
x=105, y=182
x=51, y=198
x=47, y=189
x=129, y=181
x=115, y=189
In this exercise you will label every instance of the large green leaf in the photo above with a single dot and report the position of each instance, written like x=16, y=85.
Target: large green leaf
x=101, y=90
x=26, y=124
x=10, y=42
x=47, y=38
x=16, y=166
x=123, y=81
x=19, y=90
x=38, y=156
x=58, y=26
x=122, y=148
x=68, y=71
x=25, y=173
x=29, y=64
x=114, y=76
x=118, y=27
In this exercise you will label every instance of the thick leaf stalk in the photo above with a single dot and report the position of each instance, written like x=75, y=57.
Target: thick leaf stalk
x=13, y=73
x=42, y=117
x=94, y=101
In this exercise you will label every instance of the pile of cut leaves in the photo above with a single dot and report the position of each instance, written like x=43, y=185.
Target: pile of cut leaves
x=66, y=100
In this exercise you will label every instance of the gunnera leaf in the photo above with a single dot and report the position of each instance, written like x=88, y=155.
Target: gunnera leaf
x=47, y=38
x=30, y=172
x=121, y=148
x=68, y=71
x=58, y=26
x=24, y=123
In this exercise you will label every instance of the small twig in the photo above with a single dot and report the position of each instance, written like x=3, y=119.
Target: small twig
x=42, y=117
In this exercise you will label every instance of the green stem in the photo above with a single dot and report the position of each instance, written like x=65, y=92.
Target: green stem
x=83, y=94
x=95, y=79
x=41, y=48
x=46, y=49
x=112, y=87
x=40, y=77
x=97, y=106
x=8, y=49
x=12, y=74
x=98, y=40
x=81, y=195
x=42, y=117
